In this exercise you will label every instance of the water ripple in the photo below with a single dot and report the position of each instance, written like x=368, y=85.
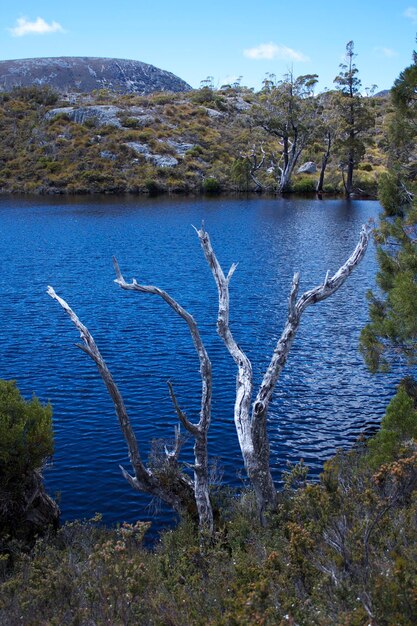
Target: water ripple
x=325, y=397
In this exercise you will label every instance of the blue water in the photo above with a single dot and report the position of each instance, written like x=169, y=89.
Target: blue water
x=325, y=396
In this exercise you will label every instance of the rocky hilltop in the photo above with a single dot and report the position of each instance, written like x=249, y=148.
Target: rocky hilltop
x=84, y=74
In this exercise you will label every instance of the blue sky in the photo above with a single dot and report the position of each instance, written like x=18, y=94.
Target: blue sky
x=224, y=39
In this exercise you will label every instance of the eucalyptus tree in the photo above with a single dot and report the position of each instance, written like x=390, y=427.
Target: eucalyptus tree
x=286, y=110
x=355, y=117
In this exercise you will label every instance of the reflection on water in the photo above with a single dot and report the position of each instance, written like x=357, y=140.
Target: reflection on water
x=324, y=399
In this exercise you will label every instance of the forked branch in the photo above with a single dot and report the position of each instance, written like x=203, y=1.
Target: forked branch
x=200, y=430
x=251, y=423
x=178, y=492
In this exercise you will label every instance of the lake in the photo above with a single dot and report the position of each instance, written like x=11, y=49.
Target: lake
x=324, y=399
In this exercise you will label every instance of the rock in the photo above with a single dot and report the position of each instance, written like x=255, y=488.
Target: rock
x=180, y=147
x=160, y=160
x=307, y=168
x=85, y=74
x=213, y=113
x=106, y=154
x=163, y=160
x=140, y=148
x=240, y=104
x=102, y=115
x=140, y=120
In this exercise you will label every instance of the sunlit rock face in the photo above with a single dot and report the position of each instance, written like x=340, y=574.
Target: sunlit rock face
x=84, y=74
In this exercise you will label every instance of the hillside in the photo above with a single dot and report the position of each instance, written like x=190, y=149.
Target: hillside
x=85, y=74
x=203, y=140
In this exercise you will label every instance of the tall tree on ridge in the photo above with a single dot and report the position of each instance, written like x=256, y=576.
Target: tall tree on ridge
x=355, y=117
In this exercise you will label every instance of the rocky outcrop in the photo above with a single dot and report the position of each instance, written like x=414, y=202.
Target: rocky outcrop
x=160, y=160
x=85, y=74
x=101, y=115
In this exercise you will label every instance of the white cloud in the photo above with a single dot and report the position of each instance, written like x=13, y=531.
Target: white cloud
x=37, y=27
x=388, y=53
x=274, y=51
x=411, y=13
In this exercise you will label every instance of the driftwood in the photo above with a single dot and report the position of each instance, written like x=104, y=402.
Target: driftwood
x=251, y=416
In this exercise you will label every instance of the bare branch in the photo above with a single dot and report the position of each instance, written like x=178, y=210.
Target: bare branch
x=200, y=430
x=192, y=428
x=244, y=379
x=93, y=352
x=180, y=493
x=319, y=293
x=205, y=364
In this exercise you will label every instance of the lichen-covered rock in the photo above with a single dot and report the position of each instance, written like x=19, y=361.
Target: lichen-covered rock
x=307, y=168
x=101, y=115
x=160, y=160
x=180, y=147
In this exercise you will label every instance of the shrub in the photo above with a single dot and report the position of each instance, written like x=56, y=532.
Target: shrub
x=306, y=184
x=33, y=93
x=26, y=437
x=398, y=425
x=211, y=185
x=152, y=187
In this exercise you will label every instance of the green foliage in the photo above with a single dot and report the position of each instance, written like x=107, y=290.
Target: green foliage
x=355, y=116
x=152, y=187
x=339, y=552
x=26, y=437
x=392, y=332
x=211, y=186
x=398, y=426
x=240, y=174
x=40, y=95
x=304, y=184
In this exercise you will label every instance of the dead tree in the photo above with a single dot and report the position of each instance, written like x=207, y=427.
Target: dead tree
x=250, y=415
x=168, y=482
x=255, y=163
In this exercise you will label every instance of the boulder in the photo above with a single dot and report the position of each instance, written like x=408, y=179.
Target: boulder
x=307, y=168
x=102, y=115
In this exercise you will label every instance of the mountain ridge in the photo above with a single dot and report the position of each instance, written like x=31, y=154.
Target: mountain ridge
x=84, y=74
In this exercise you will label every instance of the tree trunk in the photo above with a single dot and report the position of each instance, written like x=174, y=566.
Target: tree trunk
x=326, y=155
x=251, y=423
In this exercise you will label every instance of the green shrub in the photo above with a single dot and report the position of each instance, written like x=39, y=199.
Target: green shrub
x=33, y=93
x=306, y=184
x=365, y=167
x=152, y=187
x=211, y=185
x=26, y=437
x=398, y=425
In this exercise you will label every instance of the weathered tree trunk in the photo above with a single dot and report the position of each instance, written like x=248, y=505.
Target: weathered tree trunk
x=324, y=161
x=290, y=156
x=255, y=164
x=167, y=483
x=251, y=419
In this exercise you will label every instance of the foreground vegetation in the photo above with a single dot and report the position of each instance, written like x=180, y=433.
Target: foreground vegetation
x=341, y=551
